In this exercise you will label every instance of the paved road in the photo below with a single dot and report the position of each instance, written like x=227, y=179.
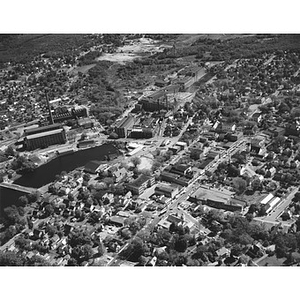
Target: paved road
x=282, y=206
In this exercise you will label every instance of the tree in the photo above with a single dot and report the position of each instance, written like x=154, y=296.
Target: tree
x=181, y=244
x=233, y=171
x=255, y=184
x=143, y=260
x=126, y=233
x=134, y=250
x=285, y=216
x=86, y=177
x=94, y=217
x=72, y=262
x=163, y=237
x=240, y=185
x=49, y=209
x=10, y=258
x=87, y=252
x=33, y=197
x=9, y=151
x=79, y=237
x=12, y=215
x=37, y=261
x=23, y=165
x=279, y=141
x=135, y=225
x=22, y=243
x=63, y=173
x=51, y=230
x=156, y=165
x=101, y=249
x=113, y=135
x=24, y=200
x=52, y=189
x=136, y=161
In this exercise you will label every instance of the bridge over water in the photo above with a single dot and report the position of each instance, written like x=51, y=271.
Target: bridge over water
x=17, y=187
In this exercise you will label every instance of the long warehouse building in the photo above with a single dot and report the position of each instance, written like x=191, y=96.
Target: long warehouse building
x=43, y=137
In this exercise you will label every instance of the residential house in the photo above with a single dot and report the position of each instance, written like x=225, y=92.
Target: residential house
x=88, y=207
x=119, y=174
x=223, y=252
x=258, y=147
x=67, y=228
x=182, y=145
x=37, y=233
x=175, y=149
x=54, y=241
x=64, y=190
x=108, y=198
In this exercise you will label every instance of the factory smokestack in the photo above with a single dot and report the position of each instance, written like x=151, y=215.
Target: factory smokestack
x=49, y=108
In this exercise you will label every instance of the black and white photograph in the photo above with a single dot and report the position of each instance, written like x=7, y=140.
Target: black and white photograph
x=149, y=147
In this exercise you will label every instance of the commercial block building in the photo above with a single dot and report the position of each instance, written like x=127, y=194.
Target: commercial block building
x=141, y=133
x=139, y=185
x=166, y=190
x=63, y=113
x=221, y=199
x=174, y=178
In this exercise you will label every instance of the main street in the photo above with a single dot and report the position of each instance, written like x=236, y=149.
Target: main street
x=286, y=200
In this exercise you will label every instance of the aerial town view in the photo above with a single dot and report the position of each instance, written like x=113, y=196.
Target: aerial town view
x=150, y=150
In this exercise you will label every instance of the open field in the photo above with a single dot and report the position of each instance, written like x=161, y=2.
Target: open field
x=83, y=69
x=146, y=163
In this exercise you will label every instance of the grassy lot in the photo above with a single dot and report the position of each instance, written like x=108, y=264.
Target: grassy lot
x=255, y=198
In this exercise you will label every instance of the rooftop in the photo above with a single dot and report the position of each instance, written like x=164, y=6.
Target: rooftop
x=139, y=181
x=222, y=195
x=92, y=165
x=31, y=131
x=167, y=188
x=41, y=134
x=126, y=121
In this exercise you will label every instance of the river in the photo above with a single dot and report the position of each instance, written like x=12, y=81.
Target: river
x=46, y=173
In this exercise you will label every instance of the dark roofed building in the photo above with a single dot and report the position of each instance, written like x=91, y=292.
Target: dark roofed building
x=93, y=166
x=181, y=169
x=167, y=190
